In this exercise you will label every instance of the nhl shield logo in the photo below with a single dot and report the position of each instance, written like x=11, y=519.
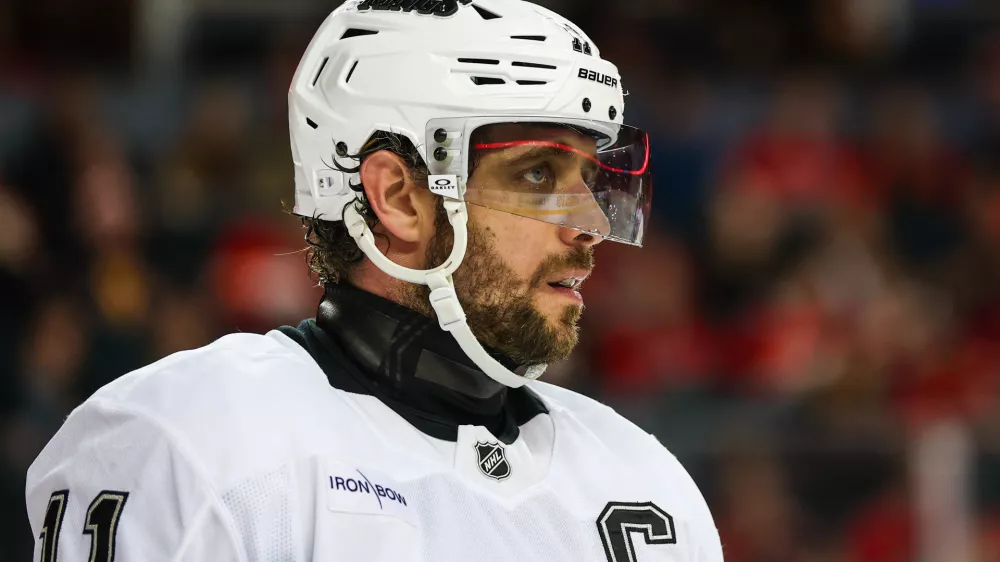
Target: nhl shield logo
x=492, y=460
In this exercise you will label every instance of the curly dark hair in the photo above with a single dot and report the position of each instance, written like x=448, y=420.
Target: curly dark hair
x=333, y=254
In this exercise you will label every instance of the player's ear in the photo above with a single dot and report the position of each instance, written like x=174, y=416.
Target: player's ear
x=403, y=207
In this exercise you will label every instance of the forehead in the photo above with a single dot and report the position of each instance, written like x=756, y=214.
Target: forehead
x=512, y=132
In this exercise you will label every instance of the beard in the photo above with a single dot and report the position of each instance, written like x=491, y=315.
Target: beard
x=498, y=304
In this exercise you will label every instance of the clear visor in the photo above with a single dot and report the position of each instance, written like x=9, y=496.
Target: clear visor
x=592, y=177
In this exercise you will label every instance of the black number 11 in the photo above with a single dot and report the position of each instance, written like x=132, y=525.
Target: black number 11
x=101, y=524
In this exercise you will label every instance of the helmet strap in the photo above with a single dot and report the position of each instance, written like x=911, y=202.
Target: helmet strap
x=443, y=298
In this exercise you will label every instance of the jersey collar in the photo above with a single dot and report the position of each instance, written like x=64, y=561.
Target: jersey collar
x=369, y=345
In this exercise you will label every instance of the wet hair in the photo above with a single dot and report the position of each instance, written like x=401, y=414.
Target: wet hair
x=333, y=254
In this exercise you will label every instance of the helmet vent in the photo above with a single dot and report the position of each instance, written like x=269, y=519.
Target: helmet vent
x=529, y=37
x=533, y=65
x=351, y=73
x=322, y=65
x=487, y=81
x=479, y=61
x=486, y=14
x=354, y=32
x=532, y=82
x=311, y=123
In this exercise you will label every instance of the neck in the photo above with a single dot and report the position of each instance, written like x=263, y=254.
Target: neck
x=372, y=346
x=369, y=278
x=411, y=360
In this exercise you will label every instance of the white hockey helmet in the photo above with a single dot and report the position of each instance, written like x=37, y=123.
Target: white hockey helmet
x=465, y=80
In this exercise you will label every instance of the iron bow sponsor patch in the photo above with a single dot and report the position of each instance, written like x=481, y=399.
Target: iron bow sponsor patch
x=354, y=489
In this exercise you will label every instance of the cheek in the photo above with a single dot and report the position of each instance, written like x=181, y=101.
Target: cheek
x=520, y=241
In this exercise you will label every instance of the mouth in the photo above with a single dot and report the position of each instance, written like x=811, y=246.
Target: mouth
x=573, y=283
x=569, y=279
x=568, y=284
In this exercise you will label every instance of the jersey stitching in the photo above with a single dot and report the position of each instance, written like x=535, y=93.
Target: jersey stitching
x=179, y=359
x=188, y=539
x=199, y=469
x=296, y=349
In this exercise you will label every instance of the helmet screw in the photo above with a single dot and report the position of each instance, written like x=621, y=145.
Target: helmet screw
x=440, y=154
x=440, y=135
x=341, y=149
x=612, y=113
x=586, y=104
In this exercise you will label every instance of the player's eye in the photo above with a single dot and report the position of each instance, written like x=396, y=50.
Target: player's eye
x=537, y=175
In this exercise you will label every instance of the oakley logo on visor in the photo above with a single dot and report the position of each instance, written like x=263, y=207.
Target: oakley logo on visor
x=444, y=185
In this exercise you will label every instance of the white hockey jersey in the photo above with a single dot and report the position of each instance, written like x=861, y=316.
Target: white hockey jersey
x=244, y=451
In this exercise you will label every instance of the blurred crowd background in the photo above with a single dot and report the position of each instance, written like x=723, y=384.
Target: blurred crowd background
x=813, y=326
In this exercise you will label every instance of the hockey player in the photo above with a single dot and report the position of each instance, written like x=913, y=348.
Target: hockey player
x=456, y=161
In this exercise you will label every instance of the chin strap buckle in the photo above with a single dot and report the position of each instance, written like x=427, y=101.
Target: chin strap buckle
x=449, y=312
x=445, y=303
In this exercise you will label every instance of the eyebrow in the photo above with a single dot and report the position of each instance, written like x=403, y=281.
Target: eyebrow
x=536, y=153
x=545, y=148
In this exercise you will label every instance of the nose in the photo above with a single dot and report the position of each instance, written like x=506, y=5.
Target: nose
x=586, y=215
x=574, y=237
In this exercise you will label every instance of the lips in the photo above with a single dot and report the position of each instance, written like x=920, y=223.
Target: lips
x=568, y=283
x=572, y=280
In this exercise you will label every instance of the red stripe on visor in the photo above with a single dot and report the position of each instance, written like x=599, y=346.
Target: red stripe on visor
x=574, y=150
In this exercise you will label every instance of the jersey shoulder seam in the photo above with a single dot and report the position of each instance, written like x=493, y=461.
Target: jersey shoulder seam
x=177, y=362
x=182, y=449
x=549, y=394
x=223, y=345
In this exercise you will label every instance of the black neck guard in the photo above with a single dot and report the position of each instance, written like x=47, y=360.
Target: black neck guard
x=369, y=345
